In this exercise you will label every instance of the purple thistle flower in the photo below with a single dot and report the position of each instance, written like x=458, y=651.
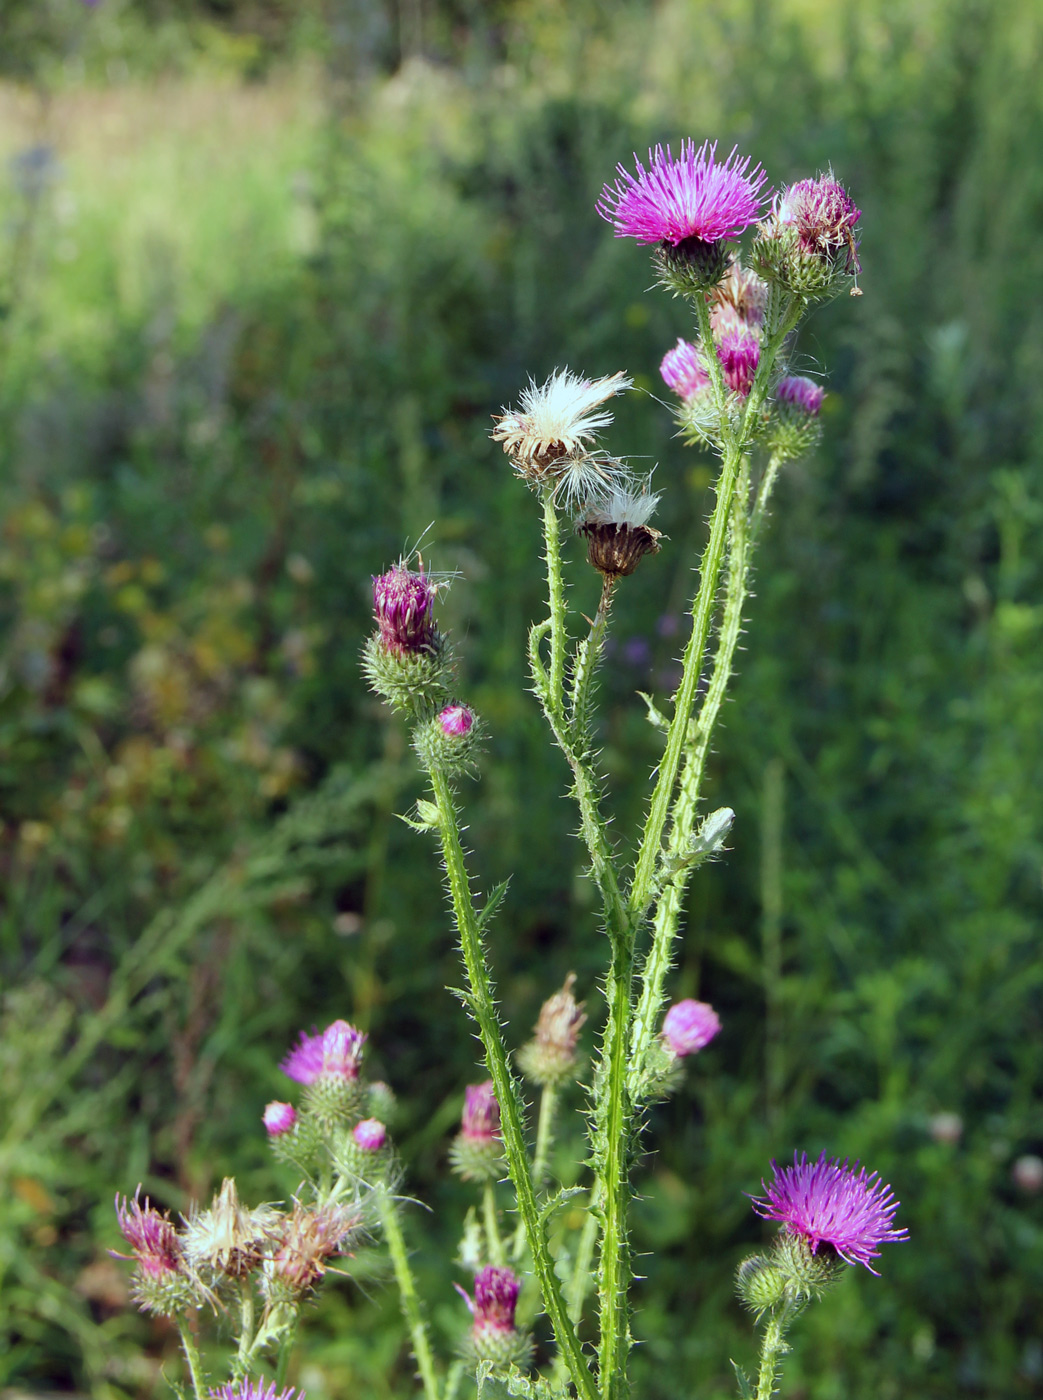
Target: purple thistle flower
x=335, y=1052
x=495, y=1299
x=403, y=604
x=802, y=394
x=692, y=196
x=828, y=1202
x=682, y=370
x=689, y=1026
x=823, y=214
x=739, y=351
x=152, y=1237
x=481, y=1116
x=370, y=1134
x=279, y=1118
x=456, y=721
x=253, y=1390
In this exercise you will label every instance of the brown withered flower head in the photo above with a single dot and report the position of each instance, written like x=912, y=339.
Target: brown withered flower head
x=551, y=1056
x=229, y=1238
x=309, y=1239
x=617, y=531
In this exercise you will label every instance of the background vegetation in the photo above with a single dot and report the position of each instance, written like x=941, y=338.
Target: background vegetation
x=265, y=273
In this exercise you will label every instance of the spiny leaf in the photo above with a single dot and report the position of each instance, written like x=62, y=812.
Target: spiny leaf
x=492, y=904
x=745, y=1389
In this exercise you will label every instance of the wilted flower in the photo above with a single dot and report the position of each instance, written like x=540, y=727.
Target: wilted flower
x=683, y=370
x=617, y=533
x=823, y=214
x=152, y=1237
x=456, y=721
x=551, y=1055
x=308, y=1240
x=336, y=1053
x=370, y=1135
x=739, y=352
x=556, y=420
x=279, y=1118
x=740, y=299
x=229, y=1238
x=828, y=1202
x=690, y=196
x=801, y=394
x=403, y=604
x=689, y=1026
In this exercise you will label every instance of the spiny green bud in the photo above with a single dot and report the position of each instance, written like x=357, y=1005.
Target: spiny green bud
x=477, y=1151
x=807, y=1271
x=692, y=266
x=759, y=1283
x=449, y=743
x=412, y=682
x=332, y=1100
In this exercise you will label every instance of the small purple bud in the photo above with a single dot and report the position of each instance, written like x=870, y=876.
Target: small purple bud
x=370, y=1134
x=739, y=352
x=279, y=1118
x=689, y=1026
x=495, y=1298
x=403, y=603
x=682, y=370
x=801, y=393
x=155, y=1242
x=456, y=721
x=481, y=1116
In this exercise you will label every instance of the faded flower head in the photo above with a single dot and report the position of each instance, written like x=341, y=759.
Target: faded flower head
x=828, y=1202
x=617, y=531
x=456, y=721
x=370, y=1134
x=689, y=1026
x=152, y=1237
x=551, y=1054
x=253, y=1390
x=480, y=1120
x=692, y=196
x=279, y=1118
x=683, y=371
x=739, y=352
x=309, y=1238
x=403, y=603
x=335, y=1054
x=823, y=215
x=801, y=394
x=556, y=420
x=229, y=1238
x=740, y=299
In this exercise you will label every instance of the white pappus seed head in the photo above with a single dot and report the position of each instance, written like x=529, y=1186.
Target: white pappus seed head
x=558, y=417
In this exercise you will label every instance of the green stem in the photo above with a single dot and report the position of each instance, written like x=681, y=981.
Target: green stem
x=556, y=599
x=195, y=1365
x=285, y=1351
x=579, y=1283
x=544, y=1139
x=772, y=806
x=773, y=1347
x=497, y=1253
x=668, y=908
x=587, y=658
x=246, y=1329
x=411, y=1306
x=483, y=1007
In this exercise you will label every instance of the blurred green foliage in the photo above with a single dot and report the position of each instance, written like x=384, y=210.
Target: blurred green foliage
x=253, y=332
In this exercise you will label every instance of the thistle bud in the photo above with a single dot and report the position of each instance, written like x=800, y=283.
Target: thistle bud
x=380, y=1101
x=795, y=428
x=683, y=371
x=759, y=1283
x=406, y=661
x=327, y=1063
x=229, y=1239
x=279, y=1118
x=477, y=1151
x=739, y=352
x=689, y=1026
x=808, y=244
x=617, y=531
x=162, y=1283
x=550, y=1057
x=366, y=1153
x=494, y=1336
x=450, y=742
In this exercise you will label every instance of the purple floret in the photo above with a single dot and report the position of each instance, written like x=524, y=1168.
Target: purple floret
x=682, y=370
x=690, y=196
x=689, y=1026
x=801, y=393
x=402, y=604
x=495, y=1298
x=829, y=1202
x=253, y=1390
x=739, y=352
x=481, y=1115
x=336, y=1052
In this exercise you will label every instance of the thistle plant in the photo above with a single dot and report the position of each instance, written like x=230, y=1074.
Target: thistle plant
x=737, y=397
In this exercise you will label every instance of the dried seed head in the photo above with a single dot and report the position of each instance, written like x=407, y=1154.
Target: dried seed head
x=617, y=533
x=228, y=1239
x=551, y=1056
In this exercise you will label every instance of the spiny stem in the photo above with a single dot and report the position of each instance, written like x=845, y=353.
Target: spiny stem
x=246, y=1329
x=772, y=1348
x=285, y=1351
x=579, y=1283
x=544, y=1139
x=411, y=1306
x=587, y=657
x=556, y=599
x=483, y=1008
x=195, y=1365
x=492, y=1227
x=771, y=933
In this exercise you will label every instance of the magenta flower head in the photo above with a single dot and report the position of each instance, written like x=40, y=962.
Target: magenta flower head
x=823, y=215
x=494, y=1335
x=456, y=721
x=476, y=1152
x=403, y=604
x=688, y=206
x=480, y=1120
x=253, y=1390
x=154, y=1240
x=739, y=352
x=682, y=370
x=279, y=1118
x=800, y=394
x=689, y=1026
x=370, y=1135
x=334, y=1054
x=828, y=1202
